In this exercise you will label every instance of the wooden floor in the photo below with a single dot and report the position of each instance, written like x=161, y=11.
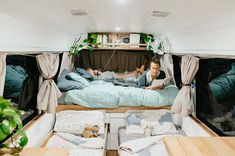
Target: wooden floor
x=112, y=153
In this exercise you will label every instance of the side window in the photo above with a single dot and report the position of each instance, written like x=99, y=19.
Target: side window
x=21, y=84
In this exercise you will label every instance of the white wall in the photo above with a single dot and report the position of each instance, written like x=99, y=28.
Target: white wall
x=39, y=130
x=21, y=35
x=215, y=35
x=202, y=26
x=191, y=128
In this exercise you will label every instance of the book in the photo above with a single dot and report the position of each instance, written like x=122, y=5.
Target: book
x=134, y=39
x=161, y=82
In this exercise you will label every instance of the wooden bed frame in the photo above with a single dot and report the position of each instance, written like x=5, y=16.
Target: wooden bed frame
x=109, y=110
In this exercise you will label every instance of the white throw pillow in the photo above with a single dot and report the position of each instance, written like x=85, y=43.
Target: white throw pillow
x=71, y=121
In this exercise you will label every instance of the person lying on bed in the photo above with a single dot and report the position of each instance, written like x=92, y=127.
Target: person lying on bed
x=154, y=73
x=110, y=75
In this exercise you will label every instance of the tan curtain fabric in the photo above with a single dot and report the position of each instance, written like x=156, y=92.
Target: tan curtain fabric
x=183, y=101
x=2, y=72
x=167, y=65
x=48, y=92
x=67, y=62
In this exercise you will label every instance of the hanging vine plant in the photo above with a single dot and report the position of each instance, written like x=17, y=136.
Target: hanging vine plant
x=148, y=39
x=88, y=43
x=153, y=43
x=11, y=124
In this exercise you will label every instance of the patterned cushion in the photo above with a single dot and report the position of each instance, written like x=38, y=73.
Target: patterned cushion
x=70, y=121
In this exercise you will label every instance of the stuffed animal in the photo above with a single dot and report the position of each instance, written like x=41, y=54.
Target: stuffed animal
x=90, y=131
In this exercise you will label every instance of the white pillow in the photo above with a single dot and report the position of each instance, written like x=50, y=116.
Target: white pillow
x=71, y=121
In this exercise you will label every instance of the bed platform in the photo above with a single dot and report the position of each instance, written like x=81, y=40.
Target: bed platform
x=122, y=109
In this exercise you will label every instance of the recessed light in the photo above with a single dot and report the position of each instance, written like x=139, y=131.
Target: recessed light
x=117, y=28
x=79, y=12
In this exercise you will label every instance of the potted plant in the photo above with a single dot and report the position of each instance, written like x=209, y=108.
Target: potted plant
x=88, y=43
x=11, y=124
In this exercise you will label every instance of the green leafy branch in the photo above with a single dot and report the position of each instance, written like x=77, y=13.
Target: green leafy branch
x=88, y=43
x=151, y=45
x=10, y=123
x=148, y=39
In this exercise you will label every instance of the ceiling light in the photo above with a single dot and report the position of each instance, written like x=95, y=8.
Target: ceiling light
x=117, y=28
x=160, y=13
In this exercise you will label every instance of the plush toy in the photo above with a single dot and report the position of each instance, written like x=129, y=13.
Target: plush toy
x=90, y=131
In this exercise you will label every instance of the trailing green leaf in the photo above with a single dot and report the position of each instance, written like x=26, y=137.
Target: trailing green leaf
x=10, y=122
x=23, y=139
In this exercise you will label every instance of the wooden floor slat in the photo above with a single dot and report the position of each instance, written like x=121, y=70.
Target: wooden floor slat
x=112, y=153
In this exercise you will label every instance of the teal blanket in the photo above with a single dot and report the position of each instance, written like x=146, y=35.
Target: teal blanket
x=15, y=76
x=100, y=94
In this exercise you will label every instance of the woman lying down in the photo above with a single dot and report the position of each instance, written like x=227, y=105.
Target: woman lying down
x=109, y=75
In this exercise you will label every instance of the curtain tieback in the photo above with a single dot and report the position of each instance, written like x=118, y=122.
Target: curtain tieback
x=185, y=85
x=50, y=78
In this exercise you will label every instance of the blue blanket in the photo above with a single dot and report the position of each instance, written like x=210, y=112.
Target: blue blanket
x=100, y=94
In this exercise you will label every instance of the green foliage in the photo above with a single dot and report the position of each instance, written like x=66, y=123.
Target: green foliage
x=10, y=123
x=149, y=40
x=88, y=43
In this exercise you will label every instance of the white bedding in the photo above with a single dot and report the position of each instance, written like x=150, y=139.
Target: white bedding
x=70, y=124
x=77, y=145
x=148, y=146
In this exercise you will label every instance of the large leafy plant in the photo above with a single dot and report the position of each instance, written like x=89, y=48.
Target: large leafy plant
x=88, y=43
x=11, y=124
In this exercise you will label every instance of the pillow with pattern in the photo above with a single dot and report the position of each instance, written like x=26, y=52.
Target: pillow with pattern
x=71, y=121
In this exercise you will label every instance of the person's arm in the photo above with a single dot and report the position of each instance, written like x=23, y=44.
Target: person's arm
x=155, y=88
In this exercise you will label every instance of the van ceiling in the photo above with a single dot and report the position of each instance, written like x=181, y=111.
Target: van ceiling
x=188, y=21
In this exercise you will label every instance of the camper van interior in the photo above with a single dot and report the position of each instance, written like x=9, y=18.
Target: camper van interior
x=117, y=77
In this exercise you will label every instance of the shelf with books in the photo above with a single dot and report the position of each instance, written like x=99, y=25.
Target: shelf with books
x=119, y=41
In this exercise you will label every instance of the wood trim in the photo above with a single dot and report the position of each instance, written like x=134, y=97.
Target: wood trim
x=108, y=110
x=207, y=129
x=47, y=139
x=195, y=146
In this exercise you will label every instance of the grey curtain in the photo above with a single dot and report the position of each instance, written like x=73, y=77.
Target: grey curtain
x=2, y=72
x=122, y=60
x=183, y=102
x=48, y=94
